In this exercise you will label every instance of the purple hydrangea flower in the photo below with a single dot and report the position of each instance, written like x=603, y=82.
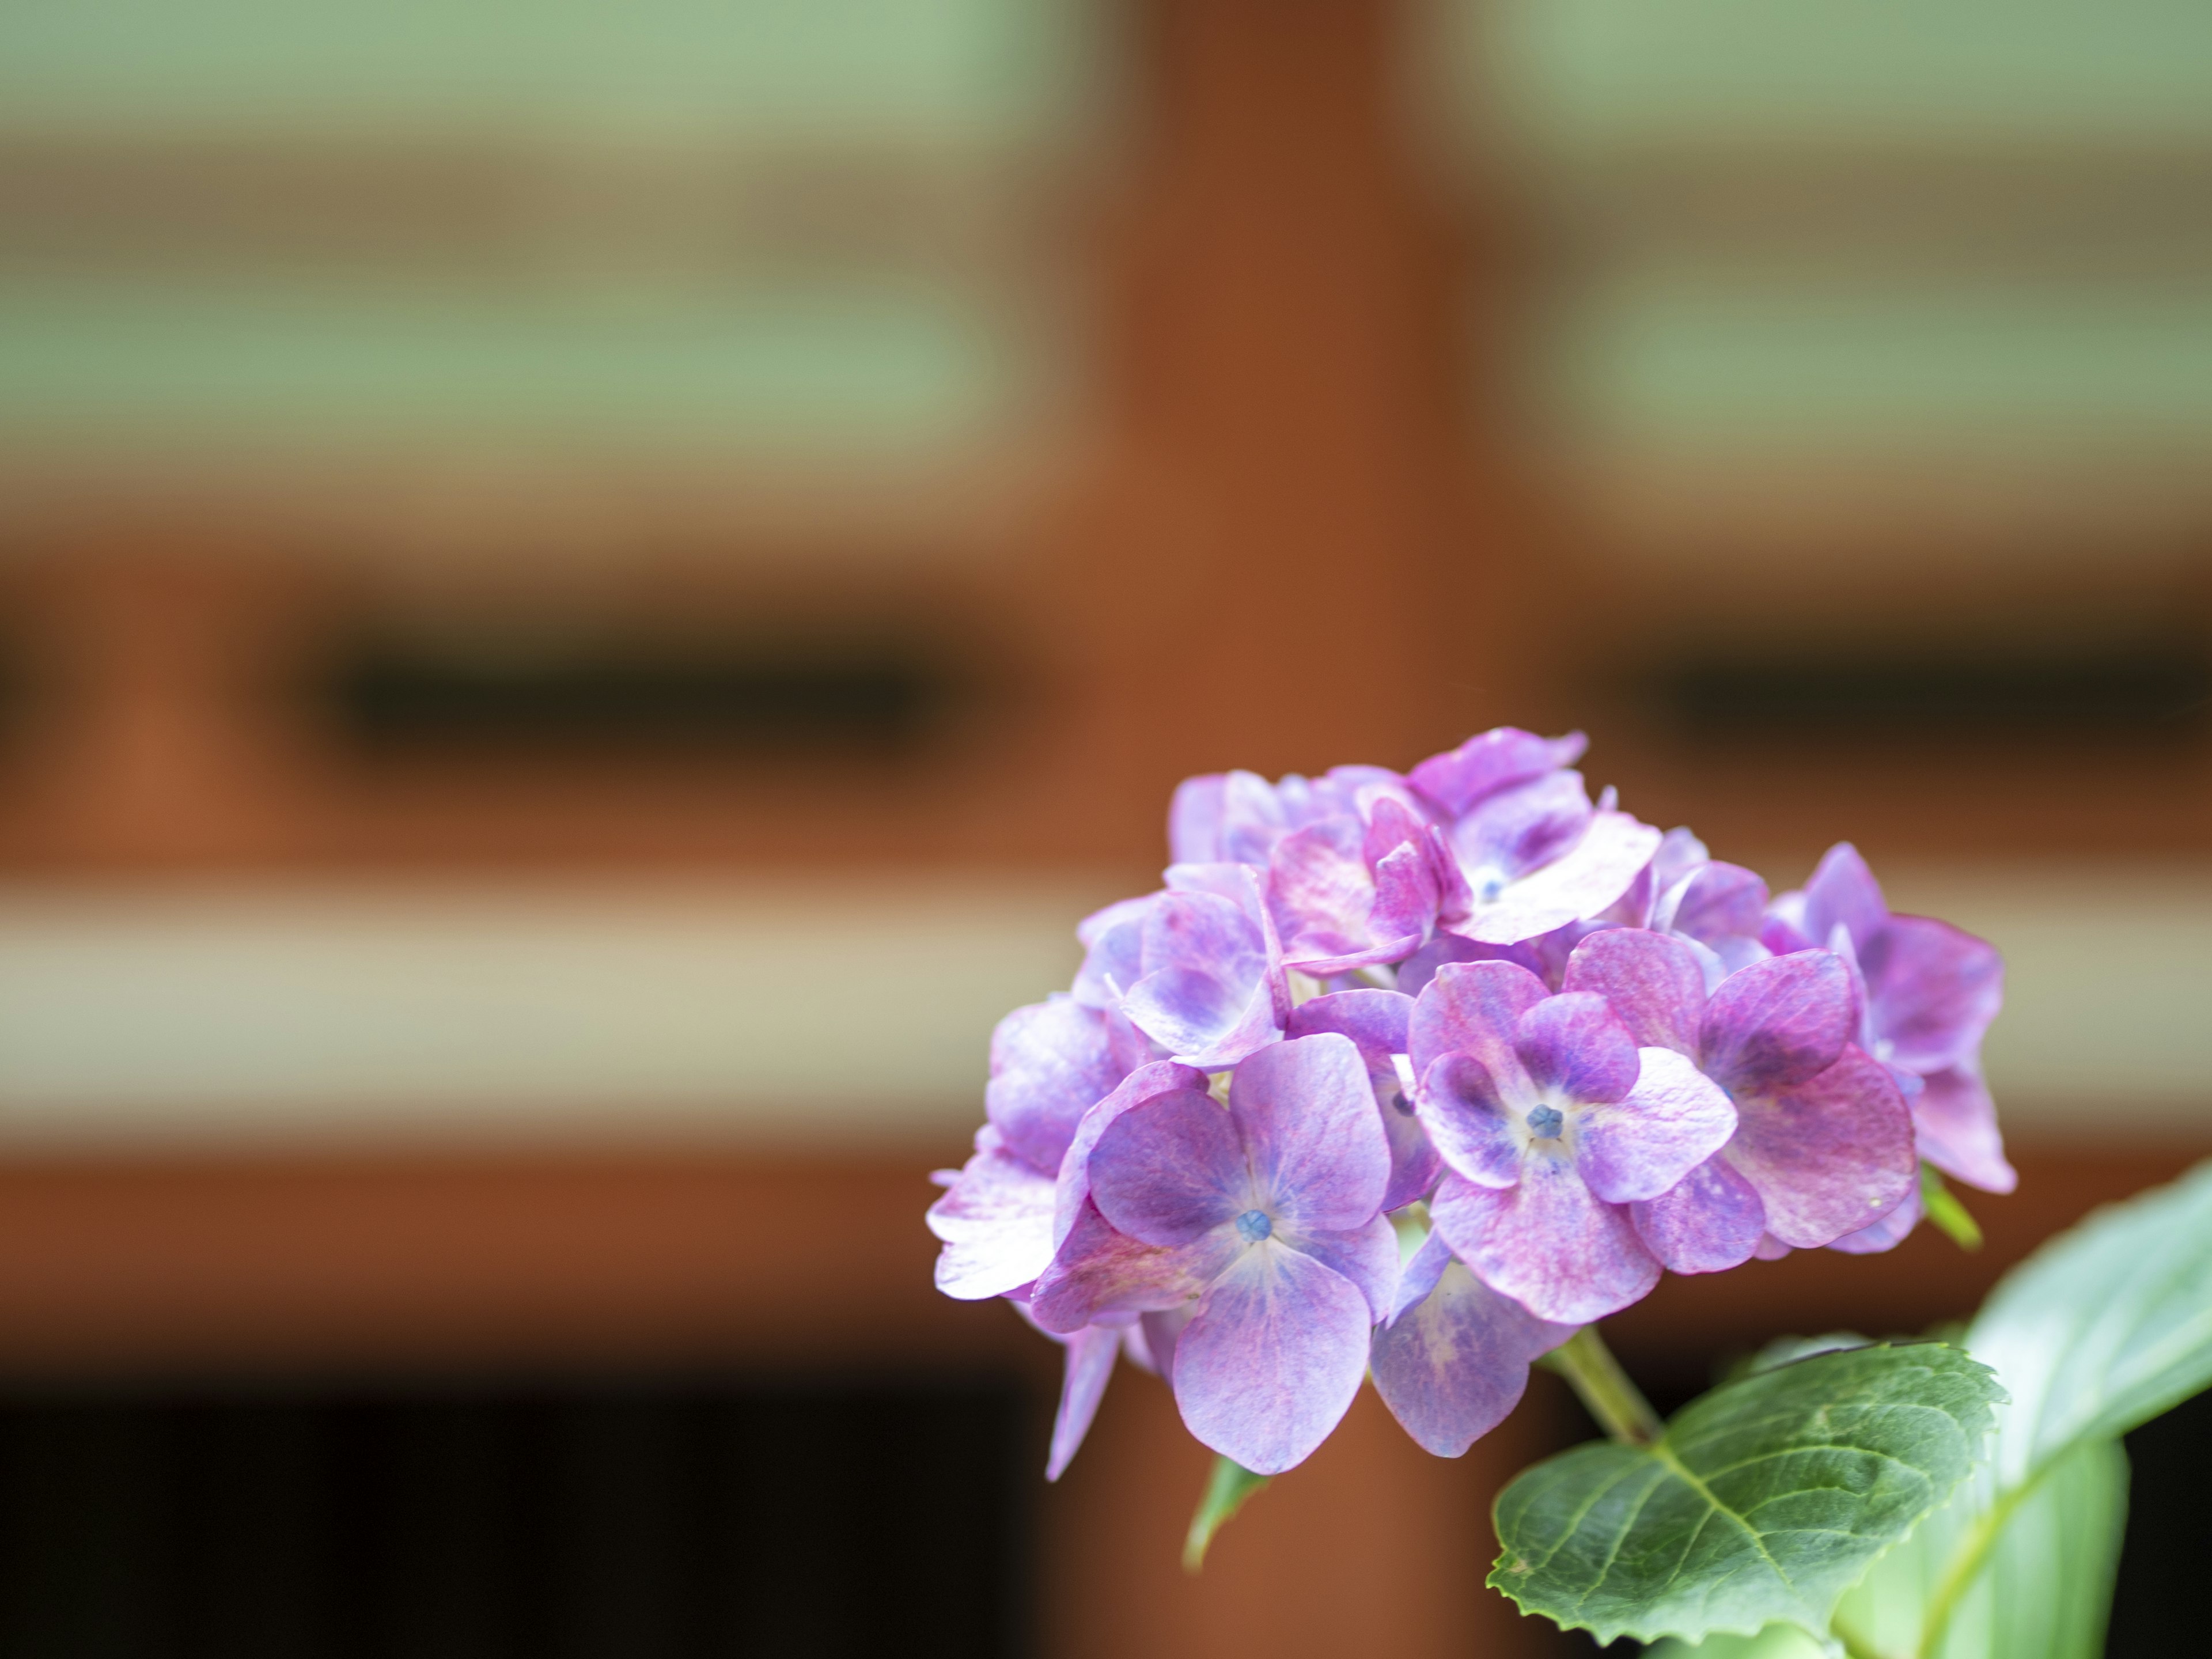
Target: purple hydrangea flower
x=1267, y=1216
x=1535, y=854
x=1553, y=1121
x=1454, y=1358
x=1930, y=993
x=1237, y=818
x=1823, y=1142
x=1196, y=968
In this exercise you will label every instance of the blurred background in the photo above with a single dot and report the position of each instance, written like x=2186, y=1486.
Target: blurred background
x=588, y=592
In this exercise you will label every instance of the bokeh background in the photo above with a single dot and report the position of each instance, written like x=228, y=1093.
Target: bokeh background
x=588, y=591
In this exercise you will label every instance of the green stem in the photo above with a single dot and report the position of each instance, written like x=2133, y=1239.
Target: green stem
x=1969, y=1558
x=1597, y=1377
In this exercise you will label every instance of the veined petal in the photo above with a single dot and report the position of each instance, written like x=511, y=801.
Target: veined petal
x=1452, y=1368
x=1051, y=1063
x=1711, y=1221
x=1779, y=1022
x=1713, y=904
x=1320, y=890
x=1674, y=1119
x=1956, y=1122
x=1655, y=984
x=1574, y=1045
x=1521, y=828
x=1457, y=779
x=1475, y=1008
x=1306, y=1110
x=1932, y=991
x=995, y=1221
x=1550, y=1243
x=1582, y=881
x=1468, y=1122
x=1269, y=1363
x=1170, y=1169
x=1145, y=1082
x=1376, y=1023
x=1090, y=1366
x=1367, y=1255
x=1829, y=1155
x=1099, y=1270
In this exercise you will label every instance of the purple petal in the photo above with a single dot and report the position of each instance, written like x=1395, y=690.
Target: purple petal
x=1717, y=903
x=1376, y=1022
x=1145, y=1082
x=1779, y=1022
x=1932, y=991
x=1710, y=1222
x=1457, y=780
x=1051, y=1063
x=1550, y=1243
x=1521, y=828
x=1172, y=1169
x=1204, y=997
x=1319, y=891
x=1090, y=1364
x=1474, y=1008
x=1194, y=819
x=1453, y=1367
x=1417, y=970
x=1162, y=1329
x=1828, y=1155
x=1100, y=1270
x=1306, y=1110
x=996, y=1223
x=1654, y=983
x=1886, y=1234
x=1843, y=890
x=1269, y=1363
x=1113, y=951
x=1680, y=854
x=1367, y=1255
x=1956, y=1123
x=1674, y=1119
x=1468, y=1122
x=1602, y=867
x=1574, y=1045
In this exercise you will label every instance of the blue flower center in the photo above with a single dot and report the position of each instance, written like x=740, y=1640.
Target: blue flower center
x=1402, y=1104
x=1255, y=1225
x=1545, y=1122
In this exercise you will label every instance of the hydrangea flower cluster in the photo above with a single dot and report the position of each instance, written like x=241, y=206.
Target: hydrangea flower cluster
x=1412, y=1076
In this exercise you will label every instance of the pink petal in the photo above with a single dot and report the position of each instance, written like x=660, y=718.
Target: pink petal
x=1521, y=828
x=1474, y=1008
x=996, y=1222
x=1711, y=1221
x=1090, y=1364
x=1957, y=1125
x=1843, y=890
x=1574, y=1045
x=1459, y=778
x=1271, y=1361
x=1454, y=1366
x=1170, y=1169
x=1654, y=983
x=1674, y=1119
x=1778, y=1021
x=1549, y=1242
x=1099, y=1270
x=1830, y=1155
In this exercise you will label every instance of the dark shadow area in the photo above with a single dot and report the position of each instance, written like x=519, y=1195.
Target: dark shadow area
x=2158, y=1604
x=649, y=1519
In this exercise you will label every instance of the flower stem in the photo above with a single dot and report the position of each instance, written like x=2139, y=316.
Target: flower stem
x=1604, y=1388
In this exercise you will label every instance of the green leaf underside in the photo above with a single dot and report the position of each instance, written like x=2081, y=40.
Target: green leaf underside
x=1226, y=1489
x=1763, y=1503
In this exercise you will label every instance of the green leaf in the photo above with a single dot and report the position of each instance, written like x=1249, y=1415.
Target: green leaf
x=1763, y=1502
x=2048, y=1588
x=1226, y=1489
x=2100, y=1330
